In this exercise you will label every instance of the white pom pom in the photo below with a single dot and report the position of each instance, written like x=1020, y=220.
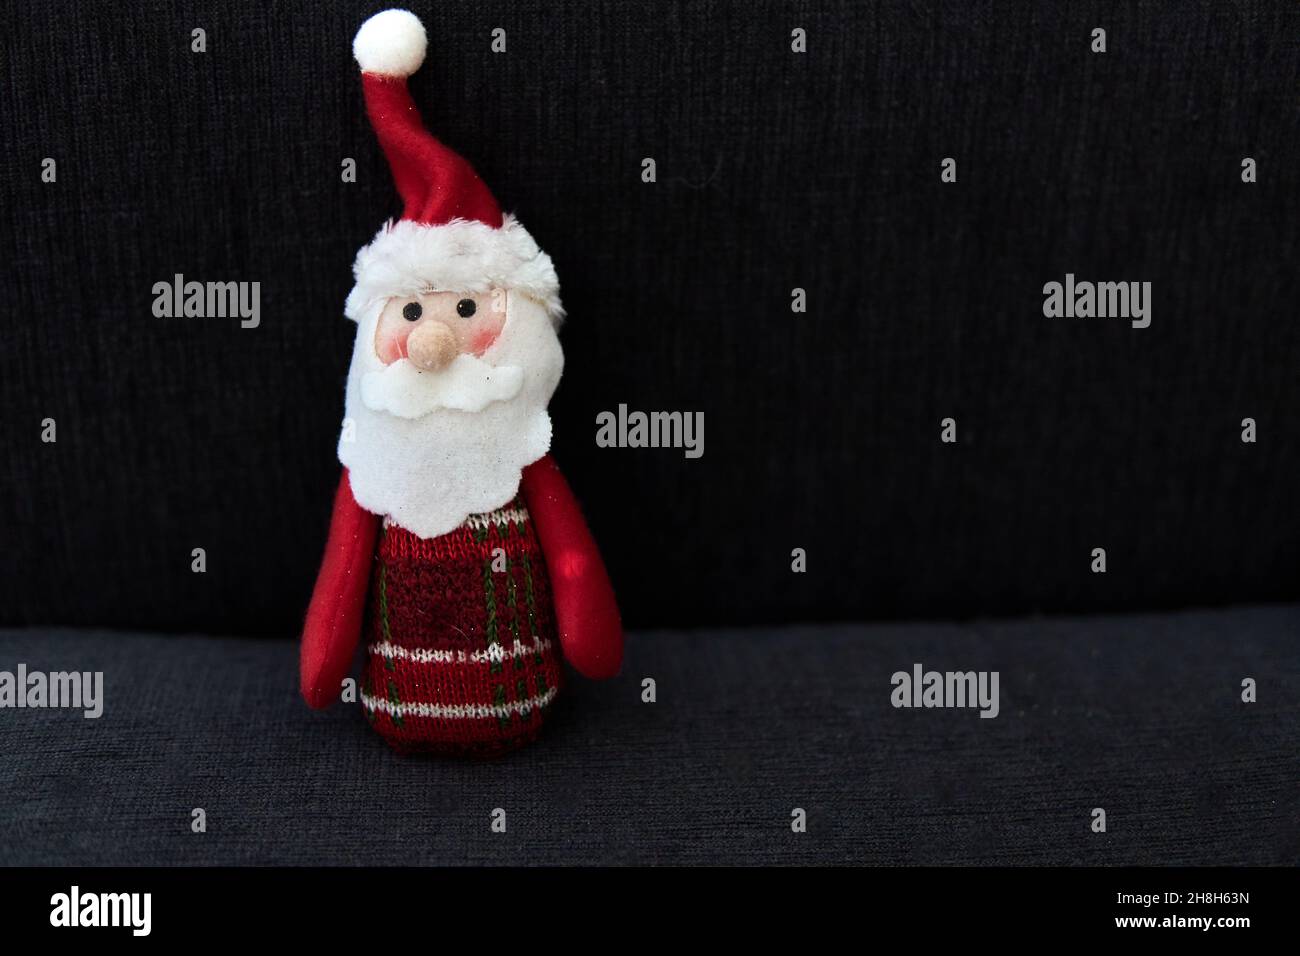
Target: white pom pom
x=391, y=43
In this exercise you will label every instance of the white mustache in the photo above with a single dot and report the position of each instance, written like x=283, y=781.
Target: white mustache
x=468, y=384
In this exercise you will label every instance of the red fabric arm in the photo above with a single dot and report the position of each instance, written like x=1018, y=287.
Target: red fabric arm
x=585, y=610
x=333, y=626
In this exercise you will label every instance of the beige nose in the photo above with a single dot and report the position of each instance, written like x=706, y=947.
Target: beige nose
x=431, y=346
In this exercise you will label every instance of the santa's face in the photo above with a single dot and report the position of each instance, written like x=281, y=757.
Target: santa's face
x=432, y=329
x=446, y=403
x=435, y=351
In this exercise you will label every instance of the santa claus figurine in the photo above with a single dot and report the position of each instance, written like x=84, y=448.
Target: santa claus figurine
x=455, y=545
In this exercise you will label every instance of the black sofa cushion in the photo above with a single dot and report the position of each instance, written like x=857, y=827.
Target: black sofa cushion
x=1139, y=715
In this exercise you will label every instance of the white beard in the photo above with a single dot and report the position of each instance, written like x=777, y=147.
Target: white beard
x=431, y=449
x=468, y=384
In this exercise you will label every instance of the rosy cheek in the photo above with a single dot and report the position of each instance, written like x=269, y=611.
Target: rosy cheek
x=392, y=345
x=481, y=339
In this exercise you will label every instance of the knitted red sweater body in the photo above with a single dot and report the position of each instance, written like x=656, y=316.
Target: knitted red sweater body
x=461, y=639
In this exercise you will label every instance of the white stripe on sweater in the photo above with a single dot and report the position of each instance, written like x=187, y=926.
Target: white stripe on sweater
x=500, y=516
x=424, y=655
x=457, y=711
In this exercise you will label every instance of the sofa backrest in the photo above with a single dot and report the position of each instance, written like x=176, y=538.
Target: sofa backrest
x=775, y=171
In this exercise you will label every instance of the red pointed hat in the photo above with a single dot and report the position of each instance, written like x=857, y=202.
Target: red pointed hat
x=452, y=236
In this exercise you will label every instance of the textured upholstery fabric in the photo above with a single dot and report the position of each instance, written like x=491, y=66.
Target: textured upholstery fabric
x=775, y=171
x=1138, y=715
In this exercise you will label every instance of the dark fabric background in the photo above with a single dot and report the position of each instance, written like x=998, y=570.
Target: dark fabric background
x=1138, y=715
x=775, y=170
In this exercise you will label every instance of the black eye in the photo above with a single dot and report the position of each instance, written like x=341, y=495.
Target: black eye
x=466, y=307
x=412, y=311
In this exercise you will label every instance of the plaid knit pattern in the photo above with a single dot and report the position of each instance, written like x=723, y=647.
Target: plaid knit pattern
x=462, y=654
